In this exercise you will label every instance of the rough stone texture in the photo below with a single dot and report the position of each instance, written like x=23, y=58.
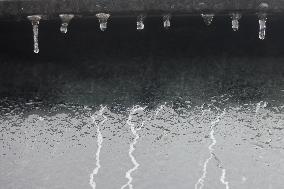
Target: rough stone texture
x=51, y=8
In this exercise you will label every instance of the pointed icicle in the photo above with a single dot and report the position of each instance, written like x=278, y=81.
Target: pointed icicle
x=35, y=19
x=65, y=18
x=262, y=26
x=167, y=21
x=235, y=21
x=103, y=18
x=140, y=22
x=262, y=18
x=208, y=18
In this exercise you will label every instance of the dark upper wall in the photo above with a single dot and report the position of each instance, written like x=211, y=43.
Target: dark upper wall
x=189, y=61
x=51, y=8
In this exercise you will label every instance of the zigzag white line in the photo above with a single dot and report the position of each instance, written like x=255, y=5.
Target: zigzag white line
x=200, y=183
x=223, y=177
x=99, y=143
x=132, y=148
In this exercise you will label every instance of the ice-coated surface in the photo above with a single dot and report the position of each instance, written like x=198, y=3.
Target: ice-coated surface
x=203, y=146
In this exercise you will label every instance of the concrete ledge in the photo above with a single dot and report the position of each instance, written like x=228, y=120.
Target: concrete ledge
x=51, y=8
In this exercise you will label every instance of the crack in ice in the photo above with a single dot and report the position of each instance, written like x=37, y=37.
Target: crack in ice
x=200, y=183
x=223, y=179
x=132, y=148
x=223, y=175
x=99, y=142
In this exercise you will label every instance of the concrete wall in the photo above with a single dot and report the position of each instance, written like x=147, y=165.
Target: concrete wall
x=51, y=8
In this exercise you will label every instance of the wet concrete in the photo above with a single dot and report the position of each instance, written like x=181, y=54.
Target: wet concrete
x=175, y=148
x=191, y=107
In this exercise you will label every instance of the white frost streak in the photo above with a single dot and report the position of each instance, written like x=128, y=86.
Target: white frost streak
x=223, y=177
x=132, y=148
x=200, y=182
x=99, y=142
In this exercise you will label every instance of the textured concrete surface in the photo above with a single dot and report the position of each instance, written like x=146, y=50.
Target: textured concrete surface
x=51, y=8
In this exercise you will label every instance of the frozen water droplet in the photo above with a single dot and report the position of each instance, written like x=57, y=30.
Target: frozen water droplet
x=140, y=22
x=65, y=18
x=235, y=21
x=208, y=18
x=235, y=25
x=103, y=17
x=166, y=20
x=64, y=28
x=262, y=26
x=34, y=19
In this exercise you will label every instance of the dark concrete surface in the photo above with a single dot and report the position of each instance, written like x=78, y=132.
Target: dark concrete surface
x=18, y=9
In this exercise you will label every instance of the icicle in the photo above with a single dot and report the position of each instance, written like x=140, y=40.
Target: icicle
x=65, y=18
x=208, y=18
x=34, y=19
x=103, y=17
x=262, y=26
x=235, y=21
x=140, y=20
x=166, y=21
x=262, y=18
